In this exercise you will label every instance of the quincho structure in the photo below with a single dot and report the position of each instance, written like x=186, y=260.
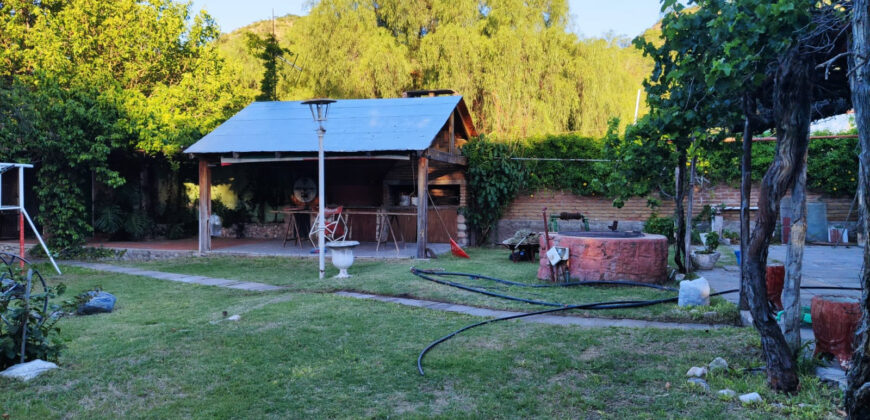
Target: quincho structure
x=379, y=152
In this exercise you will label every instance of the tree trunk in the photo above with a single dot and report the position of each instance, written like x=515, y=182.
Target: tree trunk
x=858, y=378
x=791, y=100
x=690, y=199
x=791, y=290
x=745, y=193
x=680, y=258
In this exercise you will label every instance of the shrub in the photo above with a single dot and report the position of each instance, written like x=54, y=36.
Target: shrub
x=38, y=316
x=660, y=226
x=712, y=243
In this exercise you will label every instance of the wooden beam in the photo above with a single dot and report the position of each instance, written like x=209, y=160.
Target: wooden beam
x=204, y=206
x=451, y=136
x=422, y=205
x=440, y=156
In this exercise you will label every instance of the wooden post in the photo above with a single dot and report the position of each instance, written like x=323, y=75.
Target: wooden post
x=204, y=207
x=451, y=133
x=422, y=205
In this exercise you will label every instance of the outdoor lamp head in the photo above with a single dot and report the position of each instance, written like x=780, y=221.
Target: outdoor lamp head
x=319, y=108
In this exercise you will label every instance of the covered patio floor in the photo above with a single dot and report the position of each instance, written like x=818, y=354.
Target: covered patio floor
x=264, y=247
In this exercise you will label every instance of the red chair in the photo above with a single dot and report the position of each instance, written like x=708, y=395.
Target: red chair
x=335, y=224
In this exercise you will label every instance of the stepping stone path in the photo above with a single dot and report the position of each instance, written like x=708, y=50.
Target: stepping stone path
x=181, y=278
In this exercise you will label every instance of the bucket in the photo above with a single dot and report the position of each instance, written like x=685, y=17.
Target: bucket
x=737, y=255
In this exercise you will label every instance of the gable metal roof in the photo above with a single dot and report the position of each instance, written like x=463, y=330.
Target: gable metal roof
x=353, y=125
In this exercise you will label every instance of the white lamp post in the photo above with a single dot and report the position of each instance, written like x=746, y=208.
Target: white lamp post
x=319, y=109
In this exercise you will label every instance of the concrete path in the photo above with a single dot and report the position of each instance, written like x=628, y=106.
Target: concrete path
x=822, y=266
x=539, y=319
x=181, y=278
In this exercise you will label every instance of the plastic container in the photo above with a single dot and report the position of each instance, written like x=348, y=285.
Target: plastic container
x=806, y=316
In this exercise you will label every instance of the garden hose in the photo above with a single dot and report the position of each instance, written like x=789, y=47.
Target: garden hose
x=514, y=283
x=426, y=274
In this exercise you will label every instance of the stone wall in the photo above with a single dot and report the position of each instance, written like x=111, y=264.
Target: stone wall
x=525, y=211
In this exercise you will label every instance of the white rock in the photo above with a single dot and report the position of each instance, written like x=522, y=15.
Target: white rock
x=234, y=318
x=727, y=393
x=29, y=370
x=717, y=364
x=698, y=372
x=694, y=292
x=750, y=398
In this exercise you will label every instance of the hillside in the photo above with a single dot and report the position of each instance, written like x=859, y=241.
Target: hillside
x=233, y=48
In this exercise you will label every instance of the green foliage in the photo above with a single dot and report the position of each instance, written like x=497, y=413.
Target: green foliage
x=493, y=182
x=232, y=218
x=39, y=320
x=731, y=235
x=81, y=80
x=832, y=164
x=660, y=226
x=574, y=176
x=640, y=164
x=711, y=243
x=72, y=306
x=268, y=51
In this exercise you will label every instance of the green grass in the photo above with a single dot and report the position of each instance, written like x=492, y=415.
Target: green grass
x=166, y=353
x=393, y=278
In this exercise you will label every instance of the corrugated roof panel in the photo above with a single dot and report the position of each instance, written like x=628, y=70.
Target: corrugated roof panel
x=353, y=125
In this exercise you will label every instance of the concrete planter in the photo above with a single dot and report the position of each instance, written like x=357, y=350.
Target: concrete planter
x=342, y=256
x=704, y=261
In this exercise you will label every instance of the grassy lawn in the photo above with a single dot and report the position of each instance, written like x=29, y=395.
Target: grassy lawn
x=166, y=353
x=392, y=277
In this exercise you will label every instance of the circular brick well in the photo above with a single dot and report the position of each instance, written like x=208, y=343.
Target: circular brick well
x=598, y=257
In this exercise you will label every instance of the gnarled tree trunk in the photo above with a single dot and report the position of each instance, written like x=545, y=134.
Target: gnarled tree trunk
x=792, y=90
x=858, y=378
x=791, y=290
x=680, y=258
x=745, y=193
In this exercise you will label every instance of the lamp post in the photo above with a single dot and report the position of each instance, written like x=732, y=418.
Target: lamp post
x=319, y=108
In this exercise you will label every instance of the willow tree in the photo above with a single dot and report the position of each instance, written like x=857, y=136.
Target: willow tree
x=347, y=54
x=518, y=65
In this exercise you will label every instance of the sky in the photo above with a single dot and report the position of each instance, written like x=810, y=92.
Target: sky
x=592, y=18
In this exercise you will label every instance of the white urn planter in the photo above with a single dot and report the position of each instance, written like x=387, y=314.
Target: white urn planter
x=704, y=261
x=342, y=256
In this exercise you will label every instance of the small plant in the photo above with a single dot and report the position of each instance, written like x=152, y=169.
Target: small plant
x=34, y=318
x=731, y=235
x=71, y=306
x=660, y=226
x=232, y=218
x=712, y=243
